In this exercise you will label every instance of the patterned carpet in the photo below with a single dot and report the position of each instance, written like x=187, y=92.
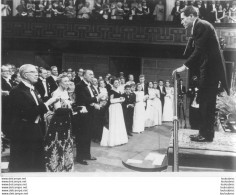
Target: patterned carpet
x=223, y=141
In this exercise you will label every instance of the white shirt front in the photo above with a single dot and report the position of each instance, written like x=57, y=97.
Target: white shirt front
x=54, y=77
x=89, y=88
x=161, y=88
x=34, y=96
x=45, y=86
x=7, y=80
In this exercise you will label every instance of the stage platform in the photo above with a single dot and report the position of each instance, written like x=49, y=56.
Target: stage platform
x=219, y=155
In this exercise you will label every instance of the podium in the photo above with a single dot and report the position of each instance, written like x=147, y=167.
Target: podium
x=217, y=156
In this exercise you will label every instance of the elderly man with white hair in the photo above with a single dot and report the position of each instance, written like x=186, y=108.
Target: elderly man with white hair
x=27, y=124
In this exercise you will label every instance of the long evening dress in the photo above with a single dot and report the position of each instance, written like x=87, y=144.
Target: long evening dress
x=58, y=142
x=139, y=110
x=168, y=112
x=116, y=133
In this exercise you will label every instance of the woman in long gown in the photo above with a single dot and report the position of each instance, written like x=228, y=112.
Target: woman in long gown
x=58, y=141
x=150, y=109
x=116, y=133
x=139, y=110
x=168, y=112
x=157, y=105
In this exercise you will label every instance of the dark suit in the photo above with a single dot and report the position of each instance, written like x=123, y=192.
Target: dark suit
x=181, y=91
x=202, y=12
x=128, y=111
x=26, y=135
x=40, y=88
x=5, y=107
x=85, y=120
x=162, y=96
x=212, y=70
x=52, y=85
x=77, y=80
x=176, y=15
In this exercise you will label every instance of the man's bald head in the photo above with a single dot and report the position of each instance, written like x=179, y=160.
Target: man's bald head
x=29, y=73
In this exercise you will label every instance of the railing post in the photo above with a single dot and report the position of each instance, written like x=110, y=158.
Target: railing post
x=175, y=167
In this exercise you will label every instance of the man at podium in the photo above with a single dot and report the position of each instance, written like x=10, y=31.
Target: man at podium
x=211, y=66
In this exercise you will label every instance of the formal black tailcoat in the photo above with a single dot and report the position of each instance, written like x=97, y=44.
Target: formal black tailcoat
x=212, y=70
x=5, y=107
x=41, y=90
x=26, y=154
x=52, y=85
x=162, y=96
x=128, y=111
x=83, y=133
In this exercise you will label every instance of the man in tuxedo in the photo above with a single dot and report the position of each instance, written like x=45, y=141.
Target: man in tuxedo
x=27, y=123
x=42, y=86
x=128, y=108
x=175, y=13
x=79, y=76
x=15, y=79
x=84, y=96
x=6, y=88
x=142, y=82
x=97, y=115
x=162, y=92
x=181, y=88
x=52, y=80
x=212, y=70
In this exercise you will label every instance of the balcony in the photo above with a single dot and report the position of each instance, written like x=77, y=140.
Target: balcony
x=134, y=32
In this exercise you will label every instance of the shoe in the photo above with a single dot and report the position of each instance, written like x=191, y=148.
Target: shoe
x=201, y=139
x=91, y=158
x=194, y=135
x=82, y=162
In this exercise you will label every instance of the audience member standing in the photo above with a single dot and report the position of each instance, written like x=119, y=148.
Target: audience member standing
x=139, y=110
x=168, y=112
x=194, y=114
x=157, y=105
x=159, y=11
x=42, y=86
x=117, y=134
x=176, y=13
x=128, y=109
x=15, y=79
x=162, y=90
x=130, y=80
x=58, y=141
x=6, y=88
x=79, y=76
x=27, y=124
x=52, y=80
x=85, y=97
x=150, y=110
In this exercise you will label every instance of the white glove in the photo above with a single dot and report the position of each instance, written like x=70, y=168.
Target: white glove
x=96, y=106
x=84, y=110
x=5, y=93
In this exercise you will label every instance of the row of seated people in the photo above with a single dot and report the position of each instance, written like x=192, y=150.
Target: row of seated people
x=213, y=12
x=219, y=11
x=114, y=10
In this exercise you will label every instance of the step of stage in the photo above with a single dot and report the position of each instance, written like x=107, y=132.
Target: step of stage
x=219, y=155
x=149, y=152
